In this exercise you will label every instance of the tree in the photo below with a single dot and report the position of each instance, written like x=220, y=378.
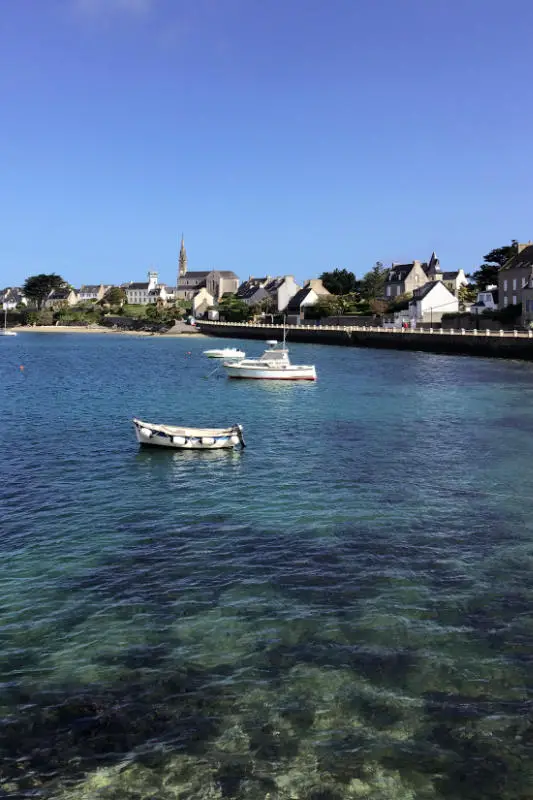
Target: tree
x=487, y=273
x=115, y=296
x=373, y=283
x=340, y=281
x=38, y=287
x=233, y=309
x=466, y=295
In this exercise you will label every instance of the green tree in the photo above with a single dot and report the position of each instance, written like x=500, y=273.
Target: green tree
x=373, y=283
x=487, y=273
x=233, y=309
x=38, y=287
x=339, y=281
x=115, y=296
x=466, y=295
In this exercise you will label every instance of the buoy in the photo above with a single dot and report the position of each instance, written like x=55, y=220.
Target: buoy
x=21, y=367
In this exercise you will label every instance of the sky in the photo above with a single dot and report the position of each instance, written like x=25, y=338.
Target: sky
x=279, y=136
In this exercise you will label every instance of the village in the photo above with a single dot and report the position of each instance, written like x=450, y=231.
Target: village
x=417, y=294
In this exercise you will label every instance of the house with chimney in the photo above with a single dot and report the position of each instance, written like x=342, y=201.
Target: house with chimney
x=515, y=276
x=306, y=297
x=404, y=279
x=216, y=282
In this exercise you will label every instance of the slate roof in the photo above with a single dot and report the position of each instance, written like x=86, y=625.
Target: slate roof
x=90, y=289
x=399, y=272
x=59, y=294
x=273, y=285
x=249, y=288
x=520, y=260
x=136, y=286
x=296, y=301
x=450, y=276
x=423, y=291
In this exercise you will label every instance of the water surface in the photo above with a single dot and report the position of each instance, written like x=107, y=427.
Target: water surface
x=342, y=610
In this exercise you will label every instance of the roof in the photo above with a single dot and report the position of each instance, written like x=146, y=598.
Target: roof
x=423, y=291
x=296, y=301
x=450, y=276
x=522, y=260
x=59, y=294
x=88, y=289
x=399, y=272
x=137, y=286
x=198, y=274
x=274, y=284
x=249, y=288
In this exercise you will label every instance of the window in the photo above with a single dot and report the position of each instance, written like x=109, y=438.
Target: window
x=505, y=285
x=524, y=281
x=398, y=290
x=388, y=291
x=514, y=284
x=514, y=299
x=505, y=301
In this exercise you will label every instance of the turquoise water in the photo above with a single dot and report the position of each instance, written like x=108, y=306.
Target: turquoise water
x=342, y=610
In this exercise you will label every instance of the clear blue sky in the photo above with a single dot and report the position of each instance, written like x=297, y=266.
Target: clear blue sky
x=281, y=136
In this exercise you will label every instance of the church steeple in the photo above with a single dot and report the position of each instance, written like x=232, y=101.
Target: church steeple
x=182, y=263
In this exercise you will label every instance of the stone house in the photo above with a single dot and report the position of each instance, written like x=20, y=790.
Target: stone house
x=404, y=278
x=431, y=301
x=514, y=276
x=217, y=282
x=59, y=298
x=92, y=292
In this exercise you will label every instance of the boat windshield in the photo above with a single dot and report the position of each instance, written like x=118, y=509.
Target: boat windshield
x=274, y=355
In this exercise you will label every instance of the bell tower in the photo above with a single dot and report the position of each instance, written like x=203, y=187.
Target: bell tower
x=182, y=262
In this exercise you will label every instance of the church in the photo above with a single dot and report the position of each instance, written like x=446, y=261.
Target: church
x=216, y=282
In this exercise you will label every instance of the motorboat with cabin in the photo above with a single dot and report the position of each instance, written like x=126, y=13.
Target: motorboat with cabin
x=181, y=438
x=274, y=364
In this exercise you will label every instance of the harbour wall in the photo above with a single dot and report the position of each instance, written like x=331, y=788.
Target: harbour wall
x=499, y=344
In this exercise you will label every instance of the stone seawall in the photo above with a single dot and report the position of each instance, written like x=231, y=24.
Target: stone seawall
x=494, y=345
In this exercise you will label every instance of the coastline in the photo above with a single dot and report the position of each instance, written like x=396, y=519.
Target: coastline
x=100, y=329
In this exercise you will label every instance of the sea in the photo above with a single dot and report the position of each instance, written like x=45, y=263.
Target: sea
x=343, y=609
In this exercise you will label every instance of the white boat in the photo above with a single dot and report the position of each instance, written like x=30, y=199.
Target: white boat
x=273, y=365
x=188, y=438
x=229, y=353
x=4, y=331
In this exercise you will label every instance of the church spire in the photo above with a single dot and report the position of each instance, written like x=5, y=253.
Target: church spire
x=182, y=263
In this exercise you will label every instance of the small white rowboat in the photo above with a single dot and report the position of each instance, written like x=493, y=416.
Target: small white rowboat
x=188, y=438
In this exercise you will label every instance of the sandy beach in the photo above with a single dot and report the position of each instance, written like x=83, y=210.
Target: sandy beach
x=181, y=331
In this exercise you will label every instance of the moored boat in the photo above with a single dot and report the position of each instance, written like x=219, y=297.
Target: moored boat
x=181, y=438
x=274, y=364
x=228, y=353
x=4, y=331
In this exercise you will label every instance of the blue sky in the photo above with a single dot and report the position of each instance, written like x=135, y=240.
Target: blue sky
x=281, y=136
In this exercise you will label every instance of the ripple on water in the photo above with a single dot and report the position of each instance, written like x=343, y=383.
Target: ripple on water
x=342, y=610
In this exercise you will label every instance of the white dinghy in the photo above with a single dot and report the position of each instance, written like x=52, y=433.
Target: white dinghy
x=229, y=353
x=188, y=438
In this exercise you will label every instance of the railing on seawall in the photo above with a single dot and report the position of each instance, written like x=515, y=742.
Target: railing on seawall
x=514, y=334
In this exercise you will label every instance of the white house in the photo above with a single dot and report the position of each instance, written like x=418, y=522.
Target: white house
x=139, y=293
x=281, y=290
x=201, y=301
x=11, y=297
x=431, y=301
x=308, y=296
x=486, y=300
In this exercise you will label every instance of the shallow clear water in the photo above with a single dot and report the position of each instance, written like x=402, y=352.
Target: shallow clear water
x=343, y=610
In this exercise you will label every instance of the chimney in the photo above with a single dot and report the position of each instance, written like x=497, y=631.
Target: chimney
x=521, y=247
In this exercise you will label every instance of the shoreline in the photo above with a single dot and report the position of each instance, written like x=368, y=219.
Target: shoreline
x=110, y=331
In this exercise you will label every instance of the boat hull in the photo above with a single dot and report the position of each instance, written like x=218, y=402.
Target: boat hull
x=150, y=435
x=291, y=373
x=229, y=355
x=8, y=333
